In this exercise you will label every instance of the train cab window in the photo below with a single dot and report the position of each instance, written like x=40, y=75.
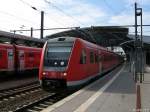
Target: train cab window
x=59, y=52
x=91, y=57
x=57, y=56
x=83, y=57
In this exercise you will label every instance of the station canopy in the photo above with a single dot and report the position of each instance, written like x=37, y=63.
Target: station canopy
x=102, y=35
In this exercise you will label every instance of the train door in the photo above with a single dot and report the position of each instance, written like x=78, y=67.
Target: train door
x=21, y=60
x=10, y=56
x=100, y=62
x=3, y=59
x=100, y=67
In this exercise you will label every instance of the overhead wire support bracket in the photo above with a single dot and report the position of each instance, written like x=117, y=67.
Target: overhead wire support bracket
x=139, y=66
x=47, y=29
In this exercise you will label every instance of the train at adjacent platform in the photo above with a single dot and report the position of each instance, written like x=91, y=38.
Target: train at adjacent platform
x=68, y=62
x=18, y=58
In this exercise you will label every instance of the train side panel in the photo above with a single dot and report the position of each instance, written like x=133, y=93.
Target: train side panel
x=74, y=67
x=84, y=63
x=28, y=58
x=15, y=58
x=6, y=57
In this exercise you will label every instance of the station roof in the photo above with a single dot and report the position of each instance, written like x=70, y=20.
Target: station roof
x=104, y=35
x=146, y=41
x=20, y=39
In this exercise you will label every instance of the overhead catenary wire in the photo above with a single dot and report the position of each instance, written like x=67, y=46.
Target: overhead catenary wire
x=48, y=13
x=49, y=29
x=60, y=10
x=38, y=10
x=55, y=20
x=26, y=3
x=71, y=28
x=19, y=18
x=31, y=6
x=118, y=11
x=69, y=15
x=119, y=26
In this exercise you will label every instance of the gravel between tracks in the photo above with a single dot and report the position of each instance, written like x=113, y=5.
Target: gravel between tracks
x=13, y=103
x=14, y=83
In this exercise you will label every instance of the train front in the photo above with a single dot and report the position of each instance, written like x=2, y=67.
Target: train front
x=54, y=63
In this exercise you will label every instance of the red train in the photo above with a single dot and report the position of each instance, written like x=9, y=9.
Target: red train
x=70, y=62
x=18, y=58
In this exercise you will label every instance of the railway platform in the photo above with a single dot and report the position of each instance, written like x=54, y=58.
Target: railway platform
x=145, y=91
x=115, y=92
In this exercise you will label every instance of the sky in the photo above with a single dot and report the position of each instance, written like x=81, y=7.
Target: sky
x=19, y=14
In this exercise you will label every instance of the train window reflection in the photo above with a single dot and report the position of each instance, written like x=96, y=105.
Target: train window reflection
x=96, y=58
x=83, y=57
x=91, y=57
x=57, y=56
x=58, y=52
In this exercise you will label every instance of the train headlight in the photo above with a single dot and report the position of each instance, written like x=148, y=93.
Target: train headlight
x=44, y=73
x=65, y=74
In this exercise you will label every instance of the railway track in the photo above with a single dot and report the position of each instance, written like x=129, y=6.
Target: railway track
x=10, y=93
x=27, y=98
x=42, y=103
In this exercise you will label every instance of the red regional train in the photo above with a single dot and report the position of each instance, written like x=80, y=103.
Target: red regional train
x=68, y=62
x=18, y=58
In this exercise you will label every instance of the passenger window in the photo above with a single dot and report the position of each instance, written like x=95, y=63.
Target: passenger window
x=31, y=54
x=10, y=54
x=0, y=55
x=106, y=57
x=91, y=57
x=99, y=58
x=96, y=58
x=22, y=55
x=83, y=57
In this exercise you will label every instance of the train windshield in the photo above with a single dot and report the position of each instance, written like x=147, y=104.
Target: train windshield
x=57, y=56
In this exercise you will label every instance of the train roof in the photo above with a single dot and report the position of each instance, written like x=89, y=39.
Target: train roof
x=6, y=37
x=27, y=47
x=5, y=45
x=72, y=39
x=62, y=39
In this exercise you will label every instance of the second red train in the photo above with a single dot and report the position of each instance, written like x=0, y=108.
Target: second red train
x=16, y=58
